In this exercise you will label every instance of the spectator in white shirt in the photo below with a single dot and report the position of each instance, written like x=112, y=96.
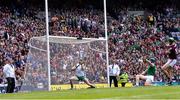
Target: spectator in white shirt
x=9, y=72
x=113, y=73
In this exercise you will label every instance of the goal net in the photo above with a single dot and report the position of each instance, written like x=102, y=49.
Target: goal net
x=65, y=52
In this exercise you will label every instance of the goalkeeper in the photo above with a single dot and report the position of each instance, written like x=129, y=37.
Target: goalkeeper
x=80, y=74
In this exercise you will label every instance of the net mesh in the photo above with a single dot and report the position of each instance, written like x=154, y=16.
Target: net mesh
x=65, y=52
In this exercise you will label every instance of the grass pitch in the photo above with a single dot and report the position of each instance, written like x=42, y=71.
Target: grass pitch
x=159, y=92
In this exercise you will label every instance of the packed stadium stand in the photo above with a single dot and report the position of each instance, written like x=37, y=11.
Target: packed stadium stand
x=135, y=29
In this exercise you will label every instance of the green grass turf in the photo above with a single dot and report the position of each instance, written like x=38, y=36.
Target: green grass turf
x=166, y=92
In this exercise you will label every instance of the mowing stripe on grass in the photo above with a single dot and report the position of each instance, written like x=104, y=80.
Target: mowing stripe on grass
x=141, y=96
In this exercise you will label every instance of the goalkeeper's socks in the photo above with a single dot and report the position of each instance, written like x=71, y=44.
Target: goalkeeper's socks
x=93, y=87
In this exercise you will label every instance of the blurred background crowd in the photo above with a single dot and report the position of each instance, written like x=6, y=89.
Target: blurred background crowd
x=136, y=28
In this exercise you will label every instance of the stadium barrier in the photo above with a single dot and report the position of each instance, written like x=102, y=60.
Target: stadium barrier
x=78, y=86
x=163, y=83
x=83, y=86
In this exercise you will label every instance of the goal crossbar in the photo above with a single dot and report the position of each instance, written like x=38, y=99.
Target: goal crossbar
x=67, y=40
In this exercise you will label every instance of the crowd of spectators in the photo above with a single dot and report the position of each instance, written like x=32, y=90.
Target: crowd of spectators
x=78, y=22
x=131, y=37
x=15, y=32
x=134, y=36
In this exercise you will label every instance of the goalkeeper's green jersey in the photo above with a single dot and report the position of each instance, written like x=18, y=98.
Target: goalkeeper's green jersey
x=151, y=70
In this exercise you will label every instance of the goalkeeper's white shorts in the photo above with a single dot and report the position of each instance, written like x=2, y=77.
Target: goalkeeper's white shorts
x=149, y=78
